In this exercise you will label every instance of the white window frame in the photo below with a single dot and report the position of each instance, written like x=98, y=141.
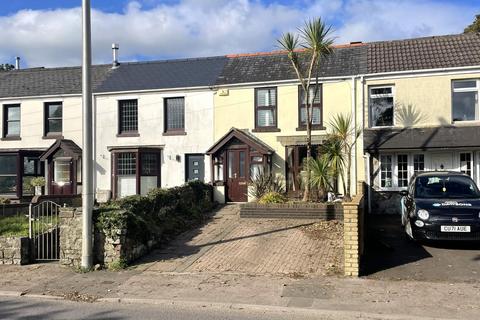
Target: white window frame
x=459, y=90
x=472, y=168
x=373, y=96
x=474, y=162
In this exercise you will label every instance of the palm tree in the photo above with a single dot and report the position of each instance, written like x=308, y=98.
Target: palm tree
x=347, y=135
x=332, y=151
x=311, y=45
x=320, y=175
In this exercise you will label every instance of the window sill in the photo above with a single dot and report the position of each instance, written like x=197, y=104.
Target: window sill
x=174, y=133
x=11, y=138
x=128, y=134
x=266, y=130
x=314, y=128
x=52, y=136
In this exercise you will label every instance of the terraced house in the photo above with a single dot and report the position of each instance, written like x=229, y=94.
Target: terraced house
x=223, y=119
x=260, y=116
x=421, y=112
x=152, y=124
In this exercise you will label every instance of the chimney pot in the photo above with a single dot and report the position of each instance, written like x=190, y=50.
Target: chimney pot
x=115, y=48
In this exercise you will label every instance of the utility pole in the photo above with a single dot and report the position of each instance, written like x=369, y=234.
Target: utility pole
x=87, y=158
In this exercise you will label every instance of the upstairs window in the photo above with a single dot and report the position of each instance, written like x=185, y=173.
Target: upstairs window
x=315, y=95
x=53, y=118
x=128, y=116
x=465, y=100
x=266, y=108
x=11, y=120
x=175, y=115
x=381, y=106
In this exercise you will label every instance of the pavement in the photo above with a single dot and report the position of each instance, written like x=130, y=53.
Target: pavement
x=173, y=276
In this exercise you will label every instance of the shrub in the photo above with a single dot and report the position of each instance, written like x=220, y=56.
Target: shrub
x=4, y=200
x=163, y=212
x=272, y=197
x=38, y=182
x=263, y=183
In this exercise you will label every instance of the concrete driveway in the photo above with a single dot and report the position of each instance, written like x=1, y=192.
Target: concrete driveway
x=255, y=246
x=389, y=255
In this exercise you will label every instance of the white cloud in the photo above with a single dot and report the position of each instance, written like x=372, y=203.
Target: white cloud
x=190, y=28
x=372, y=20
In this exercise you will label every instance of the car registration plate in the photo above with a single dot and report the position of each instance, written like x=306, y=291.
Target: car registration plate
x=455, y=228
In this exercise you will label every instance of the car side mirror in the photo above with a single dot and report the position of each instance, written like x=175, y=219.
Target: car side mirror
x=404, y=193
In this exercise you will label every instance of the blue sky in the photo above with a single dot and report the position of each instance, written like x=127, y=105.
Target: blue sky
x=47, y=32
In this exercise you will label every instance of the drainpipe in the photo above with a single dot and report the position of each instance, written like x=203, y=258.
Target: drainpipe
x=354, y=155
x=368, y=180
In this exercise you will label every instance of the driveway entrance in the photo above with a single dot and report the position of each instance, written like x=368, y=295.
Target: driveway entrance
x=254, y=246
x=389, y=255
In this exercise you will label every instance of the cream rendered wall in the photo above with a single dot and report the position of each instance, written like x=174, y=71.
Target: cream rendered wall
x=198, y=126
x=237, y=110
x=31, y=122
x=430, y=97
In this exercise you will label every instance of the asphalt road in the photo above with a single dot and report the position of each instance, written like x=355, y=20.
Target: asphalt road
x=33, y=308
x=390, y=256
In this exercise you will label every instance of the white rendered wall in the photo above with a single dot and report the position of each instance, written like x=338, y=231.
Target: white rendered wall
x=198, y=128
x=32, y=122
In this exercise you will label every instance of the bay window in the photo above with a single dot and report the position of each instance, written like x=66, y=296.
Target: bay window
x=136, y=171
x=465, y=100
x=386, y=170
x=381, y=106
x=8, y=175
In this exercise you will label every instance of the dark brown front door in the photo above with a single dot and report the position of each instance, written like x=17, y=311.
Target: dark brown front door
x=62, y=177
x=237, y=175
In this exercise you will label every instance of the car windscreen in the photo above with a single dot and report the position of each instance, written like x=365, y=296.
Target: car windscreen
x=448, y=187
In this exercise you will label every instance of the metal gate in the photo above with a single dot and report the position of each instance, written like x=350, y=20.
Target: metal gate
x=43, y=231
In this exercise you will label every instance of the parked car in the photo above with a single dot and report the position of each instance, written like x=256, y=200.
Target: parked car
x=441, y=206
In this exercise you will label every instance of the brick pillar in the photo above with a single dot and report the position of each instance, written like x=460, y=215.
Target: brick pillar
x=351, y=239
x=70, y=226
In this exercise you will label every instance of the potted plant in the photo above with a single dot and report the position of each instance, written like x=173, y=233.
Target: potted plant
x=38, y=183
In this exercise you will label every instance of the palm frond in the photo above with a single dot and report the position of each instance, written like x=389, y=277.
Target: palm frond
x=289, y=42
x=316, y=38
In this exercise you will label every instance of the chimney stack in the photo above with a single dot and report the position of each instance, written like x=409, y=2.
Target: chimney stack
x=17, y=63
x=115, y=48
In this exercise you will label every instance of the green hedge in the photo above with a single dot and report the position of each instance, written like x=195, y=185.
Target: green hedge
x=162, y=213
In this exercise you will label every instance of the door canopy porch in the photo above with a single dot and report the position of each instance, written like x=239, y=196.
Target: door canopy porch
x=238, y=136
x=68, y=148
x=236, y=158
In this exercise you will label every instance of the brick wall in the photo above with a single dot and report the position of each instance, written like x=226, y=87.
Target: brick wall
x=353, y=232
x=300, y=210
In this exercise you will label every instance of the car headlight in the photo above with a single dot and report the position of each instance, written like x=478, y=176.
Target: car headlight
x=423, y=214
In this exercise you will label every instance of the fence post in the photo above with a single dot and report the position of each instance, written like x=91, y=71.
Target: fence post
x=30, y=231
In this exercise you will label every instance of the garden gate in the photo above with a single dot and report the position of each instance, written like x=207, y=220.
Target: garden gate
x=43, y=231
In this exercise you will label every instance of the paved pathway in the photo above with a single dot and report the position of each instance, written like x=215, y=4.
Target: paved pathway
x=255, y=246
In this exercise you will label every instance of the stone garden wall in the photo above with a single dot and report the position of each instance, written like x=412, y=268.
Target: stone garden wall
x=105, y=249
x=14, y=250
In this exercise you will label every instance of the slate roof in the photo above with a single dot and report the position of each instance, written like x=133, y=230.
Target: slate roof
x=344, y=61
x=165, y=74
x=424, y=53
x=446, y=137
x=48, y=81
x=384, y=56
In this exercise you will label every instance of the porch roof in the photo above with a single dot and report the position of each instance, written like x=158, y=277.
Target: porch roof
x=422, y=138
x=70, y=148
x=244, y=136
